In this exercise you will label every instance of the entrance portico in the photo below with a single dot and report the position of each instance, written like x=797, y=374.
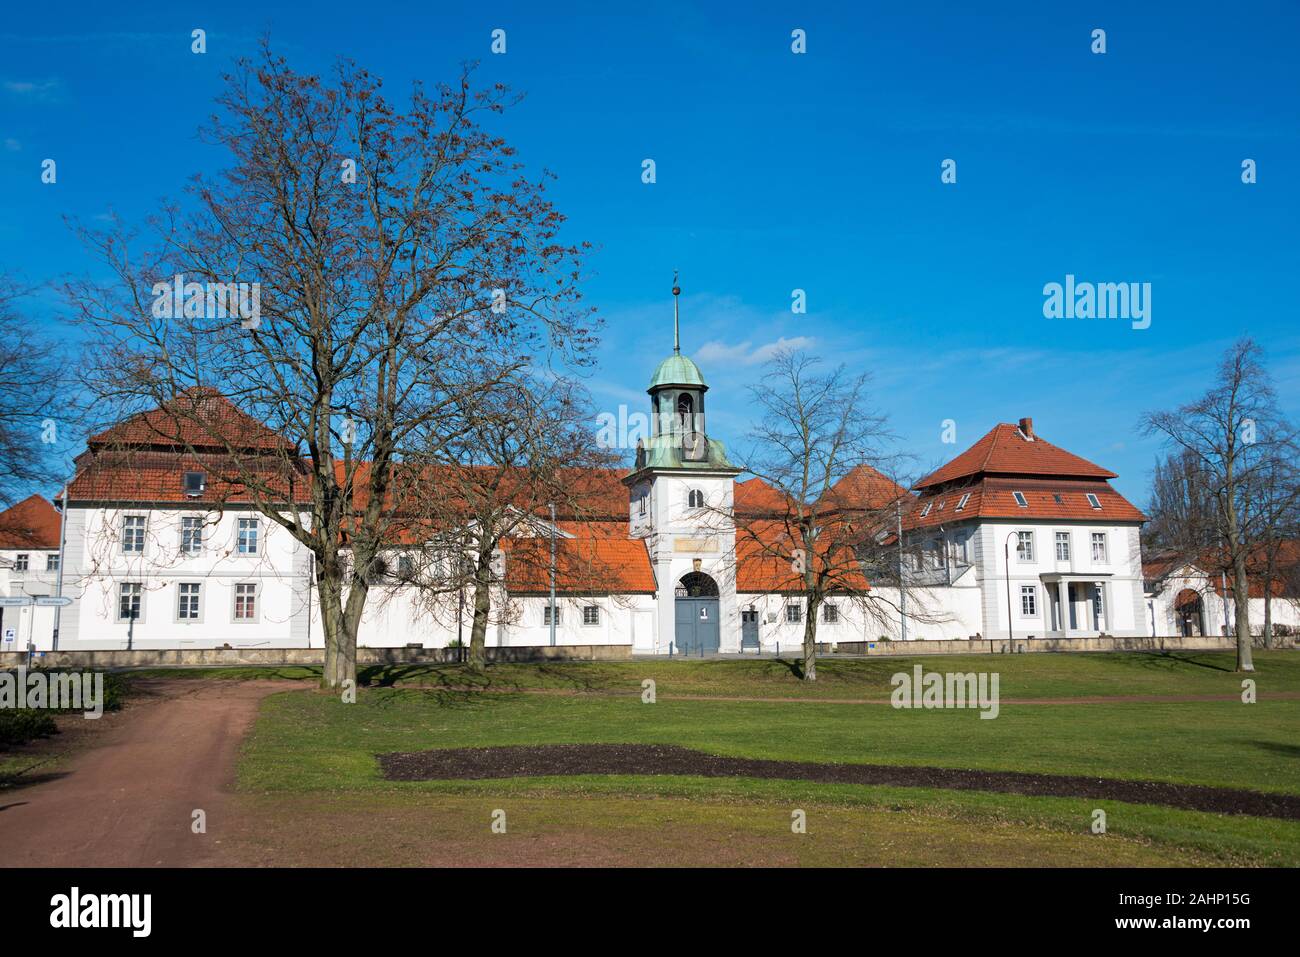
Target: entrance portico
x=1078, y=605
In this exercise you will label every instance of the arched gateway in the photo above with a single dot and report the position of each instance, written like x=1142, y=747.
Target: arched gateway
x=697, y=629
x=1189, y=610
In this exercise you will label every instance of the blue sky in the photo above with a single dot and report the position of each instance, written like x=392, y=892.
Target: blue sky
x=778, y=171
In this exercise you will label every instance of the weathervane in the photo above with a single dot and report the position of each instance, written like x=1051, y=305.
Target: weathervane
x=677, y=291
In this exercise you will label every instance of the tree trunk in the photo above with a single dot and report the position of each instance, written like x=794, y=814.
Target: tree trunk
x=482, y=606
x=331, y=617
x=1268, y=603
x=810, y=640
x=1241, y=596
x=346, y=668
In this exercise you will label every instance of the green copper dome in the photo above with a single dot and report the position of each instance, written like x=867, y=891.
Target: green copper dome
x=677, y=370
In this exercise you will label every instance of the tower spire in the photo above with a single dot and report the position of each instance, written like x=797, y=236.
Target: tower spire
x=677, y=339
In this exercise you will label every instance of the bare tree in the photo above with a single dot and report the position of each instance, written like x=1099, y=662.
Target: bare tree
x=1230, y=434
x=816, y=434
x=519, y=452
x=29, y=377
x=339, y=282
x=1274, y=521
x=1181, y=509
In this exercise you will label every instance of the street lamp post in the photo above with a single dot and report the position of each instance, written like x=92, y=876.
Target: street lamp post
x=553, y=575
x=1006, y=549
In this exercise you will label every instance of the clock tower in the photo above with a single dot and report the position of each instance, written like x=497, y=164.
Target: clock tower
x=681, y=495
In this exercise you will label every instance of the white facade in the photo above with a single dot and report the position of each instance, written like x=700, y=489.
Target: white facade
x=33, y=573
x=1067, y=579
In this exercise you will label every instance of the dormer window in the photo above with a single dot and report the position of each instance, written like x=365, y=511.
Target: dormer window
x=194, y=484
x=961, y=502
x=1092, y=500
x=1056, y=497
x=1020, y=499
x=926, y=510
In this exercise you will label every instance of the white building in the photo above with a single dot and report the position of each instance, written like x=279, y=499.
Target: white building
x=160, y=554
x=1051, y=549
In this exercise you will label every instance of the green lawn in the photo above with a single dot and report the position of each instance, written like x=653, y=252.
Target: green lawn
x=313, y=743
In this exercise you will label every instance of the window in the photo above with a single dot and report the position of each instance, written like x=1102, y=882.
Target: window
x=194, y=484
x=641, y=505
x=129, y=595
x=695, y=498
x=1020, y=499
x=247, y=542
x=1025, y=546
x=246, y=602
x=1092, y=500
x=1097, y=604
x=133, y=534
x=52, y=562
x=546, y=615
x=685, y=406
x=926, y=510
x=591, y=614
x=191, y=534
x=1099, y=547
x=794, y=613
x=405, y=567
x=1062, y=546
x=961, y=502
x=20, y=563
x=830, y=614
x=187, y=601
x=1028, y=601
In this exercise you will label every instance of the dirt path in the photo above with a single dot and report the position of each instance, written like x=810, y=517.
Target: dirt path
x=128, y=800
x=522, y=761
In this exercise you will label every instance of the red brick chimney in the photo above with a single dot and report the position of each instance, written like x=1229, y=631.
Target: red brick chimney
x=1027, y=427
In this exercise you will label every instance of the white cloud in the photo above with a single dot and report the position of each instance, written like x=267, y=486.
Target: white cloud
x=32, y=89
x=746, y=353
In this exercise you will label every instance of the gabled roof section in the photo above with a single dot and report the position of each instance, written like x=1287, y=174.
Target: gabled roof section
x=866, y=489
x=32, y=523
x=1006, y=450
x=199, y=418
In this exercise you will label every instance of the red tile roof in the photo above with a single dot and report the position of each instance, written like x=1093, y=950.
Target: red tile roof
x=764, y=560
x=754, y=497
x=1210, y=565
x=1006, y=451
x=141, y=475
x=200, y=418
x=864, y=488
x=995, y=498
x=587, y=565
x=32, y=523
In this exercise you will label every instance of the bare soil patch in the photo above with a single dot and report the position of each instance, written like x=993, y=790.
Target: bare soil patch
x=520, y=761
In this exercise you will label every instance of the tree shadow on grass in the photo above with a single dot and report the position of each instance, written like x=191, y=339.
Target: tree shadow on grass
x=1289, y=750
x=1167, y=661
